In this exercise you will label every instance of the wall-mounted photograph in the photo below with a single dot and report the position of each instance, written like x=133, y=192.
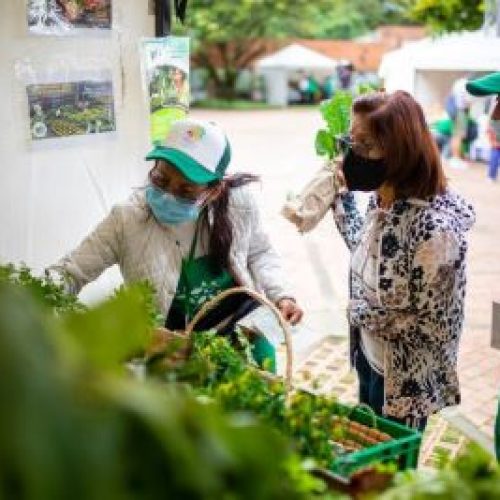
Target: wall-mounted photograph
x=68, y=17
x=63, y=109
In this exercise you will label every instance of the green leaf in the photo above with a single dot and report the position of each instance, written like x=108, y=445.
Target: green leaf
x=337, y=114
x=114, y=331
x=325, y=144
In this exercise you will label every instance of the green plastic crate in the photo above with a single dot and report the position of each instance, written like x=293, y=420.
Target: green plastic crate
x=403, y=450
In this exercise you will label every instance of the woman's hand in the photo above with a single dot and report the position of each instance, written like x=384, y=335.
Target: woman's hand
x=339, y=178
x=290, y=310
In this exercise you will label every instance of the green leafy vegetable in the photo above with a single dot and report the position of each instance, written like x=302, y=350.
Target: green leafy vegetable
x=43, y=288
x=474, y=475
x=337, y=114
x=72, y=426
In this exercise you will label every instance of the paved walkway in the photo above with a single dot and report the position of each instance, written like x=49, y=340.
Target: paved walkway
x=279, y=146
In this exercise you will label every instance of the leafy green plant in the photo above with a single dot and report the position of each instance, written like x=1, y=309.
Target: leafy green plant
x=146, y=296
x=336, y=112
x=73, y=426
x=44, y=288
x=221, y=372
x=473, y=475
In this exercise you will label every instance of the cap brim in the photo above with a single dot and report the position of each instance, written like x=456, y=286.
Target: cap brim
x=486, y=85
x=186, y=165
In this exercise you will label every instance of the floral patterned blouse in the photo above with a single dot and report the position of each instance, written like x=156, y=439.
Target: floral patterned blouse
x=418, y=305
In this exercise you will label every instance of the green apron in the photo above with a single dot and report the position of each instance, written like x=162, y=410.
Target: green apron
x=199, y=281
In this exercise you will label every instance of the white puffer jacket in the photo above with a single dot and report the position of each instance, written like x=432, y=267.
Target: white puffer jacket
x=146, y=250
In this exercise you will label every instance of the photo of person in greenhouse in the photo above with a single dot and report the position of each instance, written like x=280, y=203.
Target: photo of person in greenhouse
x=192, y=232
x=408, y=259
x=169, y=86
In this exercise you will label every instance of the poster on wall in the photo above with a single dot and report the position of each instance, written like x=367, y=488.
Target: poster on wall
x=62, y=109
x=165, y=70
x=68, y=17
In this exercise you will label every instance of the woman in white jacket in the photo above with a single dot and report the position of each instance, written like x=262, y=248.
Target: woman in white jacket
x=191, y=232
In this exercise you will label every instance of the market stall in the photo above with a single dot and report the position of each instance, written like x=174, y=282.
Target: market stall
x=279, y=67
x=429, y=67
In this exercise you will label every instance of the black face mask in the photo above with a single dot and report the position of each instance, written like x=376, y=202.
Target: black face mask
x=363, y=174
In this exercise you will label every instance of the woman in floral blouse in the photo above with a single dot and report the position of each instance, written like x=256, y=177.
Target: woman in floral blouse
x=408, y=260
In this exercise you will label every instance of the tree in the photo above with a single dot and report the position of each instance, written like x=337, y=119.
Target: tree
x=447, y=15
x=352, y=18
x=228, y=35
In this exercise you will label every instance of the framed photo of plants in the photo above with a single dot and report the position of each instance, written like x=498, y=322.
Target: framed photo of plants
x=61, y=109
x=68, y=17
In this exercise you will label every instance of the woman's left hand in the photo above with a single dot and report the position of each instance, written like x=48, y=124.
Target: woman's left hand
x=290, y=310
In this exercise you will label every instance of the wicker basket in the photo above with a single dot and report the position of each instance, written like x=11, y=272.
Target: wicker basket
x=163, y=337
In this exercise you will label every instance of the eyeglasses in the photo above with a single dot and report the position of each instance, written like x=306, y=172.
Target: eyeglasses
x=162, y=181
x=345, y=142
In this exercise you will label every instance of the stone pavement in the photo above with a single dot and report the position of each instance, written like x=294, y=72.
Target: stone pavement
x=279, y=146
x=326, y=371
x=479, y=364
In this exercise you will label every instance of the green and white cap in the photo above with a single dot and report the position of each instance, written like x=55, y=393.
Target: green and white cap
x=486, y=85
x=199, y=150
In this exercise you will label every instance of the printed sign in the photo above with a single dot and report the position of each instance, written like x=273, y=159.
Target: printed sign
x=165, y=69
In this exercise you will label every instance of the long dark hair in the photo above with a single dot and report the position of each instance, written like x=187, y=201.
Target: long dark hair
x=216, y=217
x=398, y=125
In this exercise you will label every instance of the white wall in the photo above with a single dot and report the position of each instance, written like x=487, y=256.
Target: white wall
x=51, y=198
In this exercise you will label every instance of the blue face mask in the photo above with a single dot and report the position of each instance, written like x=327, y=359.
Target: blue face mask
x=169, y=209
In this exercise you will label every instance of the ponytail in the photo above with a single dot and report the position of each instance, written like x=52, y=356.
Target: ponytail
x=221, y=229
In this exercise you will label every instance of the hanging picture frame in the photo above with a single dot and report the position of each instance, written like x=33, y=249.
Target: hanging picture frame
x=68, y=17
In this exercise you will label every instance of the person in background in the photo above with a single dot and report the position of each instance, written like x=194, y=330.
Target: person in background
x=457, y=107
x=329, y=86
x=489, y=85
x=442, y=131
x=408, y=258
x=345, y=73
x=484, y=86
x=192, y=232
x=303, y=86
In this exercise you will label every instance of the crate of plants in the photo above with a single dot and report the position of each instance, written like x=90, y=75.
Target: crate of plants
x=364, y=439
x=340, y=439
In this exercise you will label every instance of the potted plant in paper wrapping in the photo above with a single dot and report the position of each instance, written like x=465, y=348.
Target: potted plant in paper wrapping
x=308, y=208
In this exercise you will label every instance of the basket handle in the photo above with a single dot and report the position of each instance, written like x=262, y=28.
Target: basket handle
x=210, y=304
x=366, y=409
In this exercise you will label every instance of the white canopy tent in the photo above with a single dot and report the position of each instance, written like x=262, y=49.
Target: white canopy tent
x=277, y=68
x=429, y=67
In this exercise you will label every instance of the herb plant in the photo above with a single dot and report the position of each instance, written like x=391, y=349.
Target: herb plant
x=73, y=426
x=44, y=288
x=336, y=112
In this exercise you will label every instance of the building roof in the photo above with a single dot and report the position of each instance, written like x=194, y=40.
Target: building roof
x=393, y=36
x=364, y=56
